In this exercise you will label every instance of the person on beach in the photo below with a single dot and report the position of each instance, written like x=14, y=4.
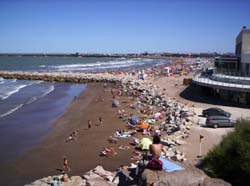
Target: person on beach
x=100, y=120
x=108, y=151
x=89, y=124
x=156, y=147
x=65, y=164
x=65, y=177
x=55, y=182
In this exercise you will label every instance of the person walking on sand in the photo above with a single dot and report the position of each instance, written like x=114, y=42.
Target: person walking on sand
x=89, y=124
x=100, y=120
x=65, y=164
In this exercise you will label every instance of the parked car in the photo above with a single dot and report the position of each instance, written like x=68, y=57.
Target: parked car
x=215, y=112
x=219, y=121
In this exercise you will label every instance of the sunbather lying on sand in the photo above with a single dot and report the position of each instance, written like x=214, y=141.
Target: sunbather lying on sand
x=108, y=151
x=136, y=155
x=136, y=141
x=112, y=139
x=123, y=147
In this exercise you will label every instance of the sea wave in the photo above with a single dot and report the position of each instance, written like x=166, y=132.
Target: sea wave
x=7, y=91
x=49, y=90
x=98, y=64
x=9, y=87
x=31, y=100
x=11, y=111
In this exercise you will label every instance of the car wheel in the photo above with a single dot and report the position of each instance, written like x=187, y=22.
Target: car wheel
x=215, y=126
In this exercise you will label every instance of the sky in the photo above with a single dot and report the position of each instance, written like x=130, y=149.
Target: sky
x=121, y=26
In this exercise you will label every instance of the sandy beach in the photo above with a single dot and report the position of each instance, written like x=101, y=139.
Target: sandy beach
x=83, y=153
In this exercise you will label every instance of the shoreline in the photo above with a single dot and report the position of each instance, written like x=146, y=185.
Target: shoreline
x=83, y=154
x=86, y=157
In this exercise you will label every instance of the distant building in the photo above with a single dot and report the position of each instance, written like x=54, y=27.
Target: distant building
x=223, y=64
x=242, y=50
x=230, y=79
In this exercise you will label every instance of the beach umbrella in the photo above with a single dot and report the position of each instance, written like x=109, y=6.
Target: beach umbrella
x=145, y=143
x=115, y=103
x=133, y=120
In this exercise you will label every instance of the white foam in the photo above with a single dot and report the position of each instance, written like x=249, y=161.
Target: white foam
x=11, y=111
x=7, y=91
x=49, y=90
x=101, y=65
x=96, y=65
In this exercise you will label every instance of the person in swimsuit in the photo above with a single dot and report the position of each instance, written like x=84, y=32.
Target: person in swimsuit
x=65, y=164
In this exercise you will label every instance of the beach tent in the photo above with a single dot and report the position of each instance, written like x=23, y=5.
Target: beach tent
x=133, y=120
x=115, y=103
x=145, y=143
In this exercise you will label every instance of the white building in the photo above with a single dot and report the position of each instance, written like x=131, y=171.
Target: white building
x=243, y=50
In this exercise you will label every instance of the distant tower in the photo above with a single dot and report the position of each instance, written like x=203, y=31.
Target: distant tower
x=242, y=49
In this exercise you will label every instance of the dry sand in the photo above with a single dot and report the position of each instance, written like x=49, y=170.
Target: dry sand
x=196, y=101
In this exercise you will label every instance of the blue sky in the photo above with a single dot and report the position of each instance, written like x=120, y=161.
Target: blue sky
x=121, y=26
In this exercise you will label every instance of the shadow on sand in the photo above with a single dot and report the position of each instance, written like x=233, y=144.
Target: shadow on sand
x=203, y=95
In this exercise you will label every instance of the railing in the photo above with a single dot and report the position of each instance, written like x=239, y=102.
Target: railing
x=208, y=81
x=232, y=72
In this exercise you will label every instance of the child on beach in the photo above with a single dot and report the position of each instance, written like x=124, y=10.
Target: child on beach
x=65, y=164
x=89, y=124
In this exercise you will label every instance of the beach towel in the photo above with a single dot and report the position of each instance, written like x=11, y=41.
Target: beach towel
x=150, y=121
x=169, y=166
x=122, y=135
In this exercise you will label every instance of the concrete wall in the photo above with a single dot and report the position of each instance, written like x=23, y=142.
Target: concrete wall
x=245, y=53
x=242, y=50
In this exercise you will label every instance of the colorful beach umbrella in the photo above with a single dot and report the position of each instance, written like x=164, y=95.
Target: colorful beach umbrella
x=145, y=143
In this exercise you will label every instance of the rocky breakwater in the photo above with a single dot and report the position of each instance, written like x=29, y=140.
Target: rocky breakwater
x=65, y=76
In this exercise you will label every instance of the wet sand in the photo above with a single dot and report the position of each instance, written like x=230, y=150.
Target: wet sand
x=83, y=153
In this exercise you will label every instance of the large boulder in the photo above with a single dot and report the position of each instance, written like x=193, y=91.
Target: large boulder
x=189, y=177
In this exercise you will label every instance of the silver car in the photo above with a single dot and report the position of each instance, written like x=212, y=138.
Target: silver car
x=219, y=121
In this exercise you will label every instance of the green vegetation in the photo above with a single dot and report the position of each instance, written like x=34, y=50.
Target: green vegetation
x=230, y=160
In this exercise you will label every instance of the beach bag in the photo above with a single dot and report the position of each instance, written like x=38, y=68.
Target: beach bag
x=155, y=164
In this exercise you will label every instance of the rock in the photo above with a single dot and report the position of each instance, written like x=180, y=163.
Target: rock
x=97, y=182
x=90, y=175
x=215, y=182
x=188, y=177
x=100, y=171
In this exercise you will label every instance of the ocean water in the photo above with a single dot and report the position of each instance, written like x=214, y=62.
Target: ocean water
x=27, y=112
x=16, y=94
x=74, y=64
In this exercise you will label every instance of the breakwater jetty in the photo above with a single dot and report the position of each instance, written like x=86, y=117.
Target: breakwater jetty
x=63, y=76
